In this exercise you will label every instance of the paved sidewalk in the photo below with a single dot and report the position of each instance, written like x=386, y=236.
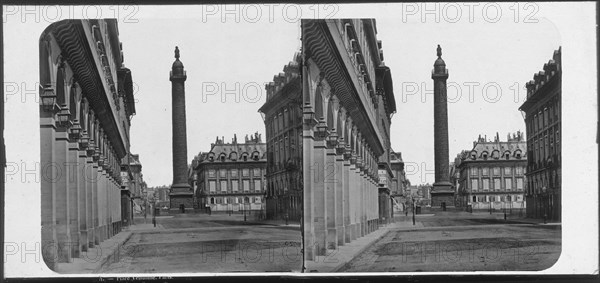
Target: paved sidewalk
x=93, y=260
x=337, y=259
x=97, y=257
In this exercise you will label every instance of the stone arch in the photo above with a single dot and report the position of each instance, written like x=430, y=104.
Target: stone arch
x=319, y=104
x=61, y=91
x=330, y=115
x=75, y=102
x=46, y=70
x=340, y=127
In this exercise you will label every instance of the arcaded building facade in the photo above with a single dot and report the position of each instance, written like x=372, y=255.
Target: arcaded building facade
x=343, y=139
x=231, y=176
x=282, y=114
x=492, y=174
x=542, y=111
x=86, y=105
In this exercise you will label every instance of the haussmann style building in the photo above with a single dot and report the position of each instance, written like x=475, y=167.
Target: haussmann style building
x=492, y=174
x=86, y=105
x=231, y=177
x=542, y=113
x=347, y=103
x=282, y=114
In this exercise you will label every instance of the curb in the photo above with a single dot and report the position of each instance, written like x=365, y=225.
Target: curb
x=115, y=252
x=360, y=251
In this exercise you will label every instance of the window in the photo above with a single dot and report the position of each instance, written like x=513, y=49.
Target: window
x=223, y=186
x=225, y=200
x=474, y=198
x=257, y=185
x=497, y=183
x=519, y=170
x=256, y=172
x=245, y=172
x=508, y=198
x=508, y=183
x=473, y=171
x=211, y=173
x=496, y=171
x=212, y=200
x=507, y=170
x=520, y=184
x=484, y=171
x=246, y=185
x=234, y=185
x=223, y=173
x=486, y=184
x=233, y=173
x=212, y=186
x=474, y=184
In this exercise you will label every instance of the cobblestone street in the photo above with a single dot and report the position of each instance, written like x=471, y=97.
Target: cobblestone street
x=471, y=244
x=202, y=243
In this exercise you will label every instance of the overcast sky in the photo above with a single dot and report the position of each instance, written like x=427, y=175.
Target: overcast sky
x=484, y=45
x=230, y=53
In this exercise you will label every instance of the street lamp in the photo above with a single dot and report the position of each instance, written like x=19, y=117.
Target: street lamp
x=48, y=98
x=413, y=209
x=322, y=131
x=63, y=116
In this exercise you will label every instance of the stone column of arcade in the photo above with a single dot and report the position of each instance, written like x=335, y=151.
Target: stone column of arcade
x=339, y=187
x=73, y=184
x=354, y=188
x=308, y=124
x=63, y=233
x=48, y=187
x=347, y=198
x=89, y=179
x=82, y=199
x=95, y=182
x=320, y=196
x=330, y=180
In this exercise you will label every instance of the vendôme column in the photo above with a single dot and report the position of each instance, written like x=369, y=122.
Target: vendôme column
x=442, y=194
x=181, y=194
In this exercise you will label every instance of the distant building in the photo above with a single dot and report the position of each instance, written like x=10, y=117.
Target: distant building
x=159, y=196
x=420, y=193
x=231, y=176
x=132, y=167
x=399, y=189
x=542, y=111
x=492, y=174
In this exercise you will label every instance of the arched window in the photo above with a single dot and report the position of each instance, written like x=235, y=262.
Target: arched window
x=212, y=200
